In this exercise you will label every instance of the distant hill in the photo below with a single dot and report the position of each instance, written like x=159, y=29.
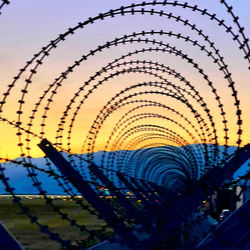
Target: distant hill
x=18, y=179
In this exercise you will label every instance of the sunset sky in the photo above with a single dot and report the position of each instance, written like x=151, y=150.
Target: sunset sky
x=26, y=26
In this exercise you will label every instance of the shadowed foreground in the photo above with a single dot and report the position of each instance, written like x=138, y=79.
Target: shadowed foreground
x=30, y=236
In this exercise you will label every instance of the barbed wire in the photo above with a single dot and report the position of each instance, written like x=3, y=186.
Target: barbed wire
x=2, y=3
x=130, y=148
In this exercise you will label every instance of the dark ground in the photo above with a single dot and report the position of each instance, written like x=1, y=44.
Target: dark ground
x=29, y=234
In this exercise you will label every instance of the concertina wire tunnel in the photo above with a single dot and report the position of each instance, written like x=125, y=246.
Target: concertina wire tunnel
x=156, y=163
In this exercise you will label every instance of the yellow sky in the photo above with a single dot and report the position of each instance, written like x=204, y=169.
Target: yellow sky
x=23, y=38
